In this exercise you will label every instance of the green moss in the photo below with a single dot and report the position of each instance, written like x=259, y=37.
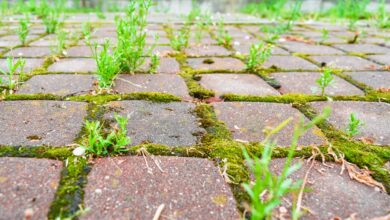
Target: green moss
x=70, y=191
x=13, y=97
x=288, y=98
x=102, y=99
x=209, y=121
x=58, y=153
x=195, y=89
x=362, y=154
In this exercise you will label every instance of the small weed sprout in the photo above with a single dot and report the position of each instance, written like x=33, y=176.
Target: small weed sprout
x=23, y=29
x=100, y=144
x=267, y=190
x=51, y=19
x=202, y=25
x=61, y=42
x=154, y=62
x=131, y=31
x=383, y=19
x=353, y=125
x=86, y=31
x=325, y=80
x=180, y=41
x=223, y=37
x=258, y=54
x=12, y=68
x=107, y=63
x=324, y=35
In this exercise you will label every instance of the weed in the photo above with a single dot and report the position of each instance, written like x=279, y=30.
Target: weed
x=294, y=15
x=267, y=8
x=267, y=191
x=202, y=24
x=324, y=35
x=100, y=15
x=195, y=12
x=132, y=35
x=23, y=29
x=258, y=54
x=180, y=41
x=383, y=19
x=12, y=68
x=61, y=42
x=86, y=30
x=100, y=144
x=51, y=19
x=325, y=80
x=350, y=9
x=155, y=62
x=223, y=37
x=353, y=125
x=107, y=63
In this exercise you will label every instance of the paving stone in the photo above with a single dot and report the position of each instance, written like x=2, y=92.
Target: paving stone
x=36, y=123
x=245, y=48
x=159, y=122
x=383, y=59
x=42, y=42
x=331, y=195
x=163, y=83
x=31, y=64
x=376, y=80
x=16, y=37
x=167, y=66
x=128, y=188
x=305, y=82
x=215, y=64
x=289, y=63
x=205, y=40
x=163, y=50
x=375, y=116
x=207, y=50
x=8, y=43
x=29, y=52
x=363, y=48
x=304, y=48
x=27, y=184
x=79, y=51
x=58, y=84
x=160, y=40
x=74, y=65
x=247, y=121
x=243, y=84
x=345, y=62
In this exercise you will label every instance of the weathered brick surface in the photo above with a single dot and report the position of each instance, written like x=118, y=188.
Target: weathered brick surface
x=35, y=123
x=247, y=122
x=376, y=80
x=243, y=84
x=30, y=52
x=305, y=82
x=28, y=186
x=214, y=63
x=74, y=65
x=58, y=84
x=289, y=63
x=163, y=83
x=345, y=62
x=134, y=188
x=374, y=115
x=207, y=50
x=159, y=122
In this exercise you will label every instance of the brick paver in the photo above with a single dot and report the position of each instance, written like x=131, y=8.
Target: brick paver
x=132, y=188
x=28, y=187
x=35, y=123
